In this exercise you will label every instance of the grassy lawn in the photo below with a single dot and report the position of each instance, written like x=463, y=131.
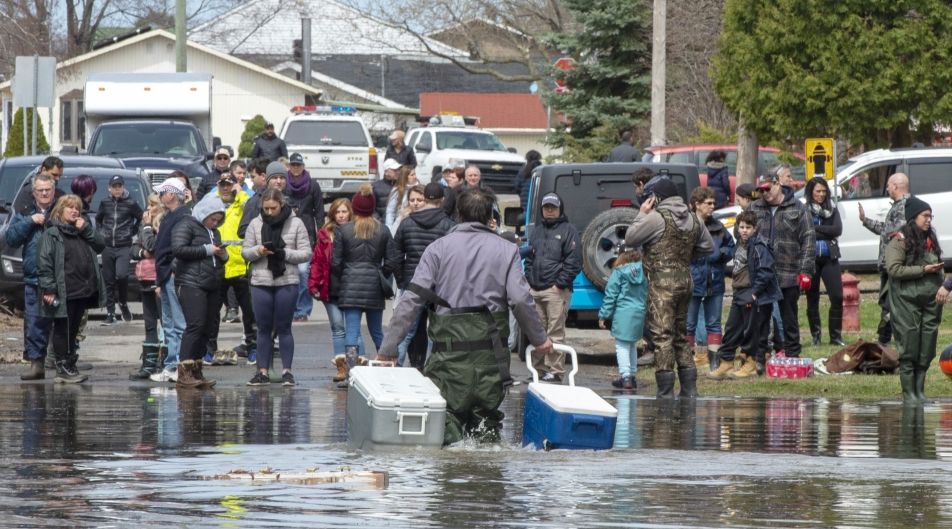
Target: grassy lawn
x=860, y=387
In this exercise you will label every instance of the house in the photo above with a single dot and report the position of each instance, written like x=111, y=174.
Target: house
x=520, y=121
x=240, y=89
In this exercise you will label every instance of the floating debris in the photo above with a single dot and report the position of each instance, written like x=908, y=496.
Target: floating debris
x=311, y=476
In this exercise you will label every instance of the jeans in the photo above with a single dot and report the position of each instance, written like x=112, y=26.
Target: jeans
x=36, y=328
x=305, y=303
x=405, y=344
x=374, y=325
x=627, y=354
x=712, y=314
x=339, y=329
x=115, y=274
x=173, y=323
x=274, y=309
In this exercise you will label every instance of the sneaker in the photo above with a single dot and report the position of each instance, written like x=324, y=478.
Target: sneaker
x=259, y=379
x=68, y=375
x=231, y=316
x=126, y=313
x=208, y=359
x=619, y=382
x=110, y=319
x=287, y=379
x=166, y=375
x=551, y=377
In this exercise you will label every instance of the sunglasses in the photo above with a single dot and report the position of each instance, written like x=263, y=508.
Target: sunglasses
x=222, y=157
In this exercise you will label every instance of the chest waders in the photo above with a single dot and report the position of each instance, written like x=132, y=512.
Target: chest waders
x=470, y=366
x=667, y=263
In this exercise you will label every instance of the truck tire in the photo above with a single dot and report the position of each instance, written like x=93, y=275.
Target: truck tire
x=602, y=241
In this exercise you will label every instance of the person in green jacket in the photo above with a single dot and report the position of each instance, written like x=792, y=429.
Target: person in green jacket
x=70, y=280
x=914, y=265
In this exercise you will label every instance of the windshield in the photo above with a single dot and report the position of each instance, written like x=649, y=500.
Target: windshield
x=473, y=141
x=147, y=139
x=344, y=133
x=10, y=180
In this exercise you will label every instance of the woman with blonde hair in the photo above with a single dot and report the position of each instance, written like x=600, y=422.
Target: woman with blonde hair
x=400, y=196
x=143, y=251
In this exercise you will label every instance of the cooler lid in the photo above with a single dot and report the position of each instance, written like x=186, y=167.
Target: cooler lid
x=572, y=399
x=388, y=387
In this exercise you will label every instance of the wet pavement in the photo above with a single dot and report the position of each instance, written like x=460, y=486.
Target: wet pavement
x=112, y=453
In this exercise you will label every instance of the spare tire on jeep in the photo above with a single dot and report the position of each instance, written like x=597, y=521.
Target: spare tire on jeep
x=602, y=241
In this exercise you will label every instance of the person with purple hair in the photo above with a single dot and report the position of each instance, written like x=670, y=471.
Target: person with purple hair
x=85, y=187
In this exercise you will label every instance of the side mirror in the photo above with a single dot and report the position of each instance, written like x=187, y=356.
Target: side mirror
x=423, y=148
x=216, y=143
x=512, y=150
x=513, y=217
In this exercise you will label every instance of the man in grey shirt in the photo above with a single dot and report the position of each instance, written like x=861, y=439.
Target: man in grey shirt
x=624, y=151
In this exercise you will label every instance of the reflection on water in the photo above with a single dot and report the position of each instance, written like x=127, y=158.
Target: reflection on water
x=123, y=457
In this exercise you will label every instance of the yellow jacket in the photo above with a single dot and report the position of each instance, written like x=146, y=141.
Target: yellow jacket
x=235, y=266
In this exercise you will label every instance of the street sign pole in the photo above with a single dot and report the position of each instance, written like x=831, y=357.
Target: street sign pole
x=36, y=94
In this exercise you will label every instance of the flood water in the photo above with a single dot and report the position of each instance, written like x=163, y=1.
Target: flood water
x=132, y=457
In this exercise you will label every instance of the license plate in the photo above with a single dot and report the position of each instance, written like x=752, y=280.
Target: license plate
x=325, y=183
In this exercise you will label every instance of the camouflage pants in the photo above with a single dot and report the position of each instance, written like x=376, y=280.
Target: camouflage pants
x=667, y=323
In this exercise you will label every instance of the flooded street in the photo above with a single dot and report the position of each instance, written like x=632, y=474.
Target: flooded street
x=114, y=456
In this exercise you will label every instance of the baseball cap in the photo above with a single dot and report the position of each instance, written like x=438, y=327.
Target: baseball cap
x=117, y=180
x=745, y=190
x=296, y=158
x=433, y=191
x=170, y=185
x=766, y=180
x=390, y=164
x=227, y=177
x=551, y=200
x=222, y=152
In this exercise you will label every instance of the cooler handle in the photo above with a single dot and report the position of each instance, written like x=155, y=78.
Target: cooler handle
x=381, y=363
x=422, y=416
x=597, y=422
x=558, y=347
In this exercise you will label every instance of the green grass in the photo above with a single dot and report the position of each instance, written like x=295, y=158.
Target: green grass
x=854, y=386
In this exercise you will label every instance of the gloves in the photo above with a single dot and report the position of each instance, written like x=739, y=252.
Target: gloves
x=804, y=281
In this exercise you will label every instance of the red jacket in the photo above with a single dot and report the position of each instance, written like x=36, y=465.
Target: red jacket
x=319, y=280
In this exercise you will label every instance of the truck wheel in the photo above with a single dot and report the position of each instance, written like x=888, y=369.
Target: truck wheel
x=602, y=241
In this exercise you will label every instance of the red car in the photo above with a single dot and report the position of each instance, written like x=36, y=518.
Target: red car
x=697, y=153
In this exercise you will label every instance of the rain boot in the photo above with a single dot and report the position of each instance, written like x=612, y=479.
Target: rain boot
x=665, y=381
x=836, y=327
x=203, y=383
x=688, y=378
x=150, y=359
x=907, y=381
x=813, y=318
x=340, y=362
x=186, y=375
x=37, y=370
x=714, y=341
x=920, y=384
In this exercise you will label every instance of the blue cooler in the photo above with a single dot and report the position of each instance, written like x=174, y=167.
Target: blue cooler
x=569, y=417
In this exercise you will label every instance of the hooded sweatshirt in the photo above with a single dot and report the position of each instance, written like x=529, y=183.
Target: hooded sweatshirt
x=555, y=253
x=648, y=229
x=193, y=243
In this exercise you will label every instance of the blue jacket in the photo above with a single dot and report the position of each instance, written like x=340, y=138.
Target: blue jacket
x=708, y=272
x=763, y=279
x=625, y=303
x=26, y=233
x=719, y=181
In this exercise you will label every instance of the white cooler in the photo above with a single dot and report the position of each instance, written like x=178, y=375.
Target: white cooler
x=393, y=406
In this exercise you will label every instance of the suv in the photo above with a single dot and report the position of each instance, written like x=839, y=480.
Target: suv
x=598, y=198
x=336, y=147
x=448, y=138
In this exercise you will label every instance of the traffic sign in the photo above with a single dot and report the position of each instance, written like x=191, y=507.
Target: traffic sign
x=821, y=158
x=565, y=64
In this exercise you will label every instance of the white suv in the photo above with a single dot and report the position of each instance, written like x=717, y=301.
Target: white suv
x=435, y=146
x=862, y=180
x=336, y=147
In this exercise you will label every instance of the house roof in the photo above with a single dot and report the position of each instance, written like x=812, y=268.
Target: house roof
x=495, y=111
x=335, y=29
x=337, y=83
x=166, y=35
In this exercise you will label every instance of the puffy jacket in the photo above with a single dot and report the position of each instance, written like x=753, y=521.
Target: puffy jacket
x=789, y=232
x=228, y=230
x=382, y=189
x=319, y=279
x=271, y=147
x=707, y=272
x=209, y=182
x=26, y=233
x=145, y=243
x=356, y=265
x=51, y=267
x=626, y=302
x=164, y=258
x=118, y=220
x=307, y=206
x=555, y=256
x=195, y=264
x=297, y=250
x=763, y=280
x=415, y=233
x=719, y=181
x=252, y=208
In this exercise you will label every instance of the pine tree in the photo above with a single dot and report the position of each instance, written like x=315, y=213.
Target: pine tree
x=15, y=137
x=253, y=129
x=610, y=86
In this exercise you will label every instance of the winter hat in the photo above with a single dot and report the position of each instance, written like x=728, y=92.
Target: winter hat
x=433, y=191
x=665, y=188
x=745, y=190
x=364, y=202
x=277, y=168
x=915, y=206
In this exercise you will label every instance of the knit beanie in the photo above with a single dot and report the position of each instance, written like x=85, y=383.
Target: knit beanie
x=665, y=188
x=277, y=168
x=915, y=206
x=364, y=202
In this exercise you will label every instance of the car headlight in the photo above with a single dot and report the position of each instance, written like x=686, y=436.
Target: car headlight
x=8, y=267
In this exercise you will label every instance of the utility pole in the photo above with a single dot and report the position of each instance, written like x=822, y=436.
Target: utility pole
x=181, y=59
x=659, y=44
x=306, y=50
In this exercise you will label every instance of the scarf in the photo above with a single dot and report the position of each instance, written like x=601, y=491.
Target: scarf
x=299, y=186
x=818, y=210
x=66, y=229
x=271, y=228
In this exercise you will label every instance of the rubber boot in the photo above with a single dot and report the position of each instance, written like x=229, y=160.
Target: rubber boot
x=836, y=327
x=665, y=382
x=688, y=378
x=714, y=341
x=920, y=384
x=150, y=359
x=907, y=381
x=813, y=319
x=186, y=376
x=37, y=370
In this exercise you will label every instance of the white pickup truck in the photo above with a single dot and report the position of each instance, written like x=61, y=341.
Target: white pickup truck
x=336, y=147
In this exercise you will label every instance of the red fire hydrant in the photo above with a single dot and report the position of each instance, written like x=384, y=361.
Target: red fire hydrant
x=850, y=302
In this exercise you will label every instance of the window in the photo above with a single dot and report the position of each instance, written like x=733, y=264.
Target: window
x=414, y=136
x=681, y=157
x=66, y=119
x=72, y=121
x=426, y=141
x=868, y=183
x=472, y=141
x=345, y=133
x=932, y=176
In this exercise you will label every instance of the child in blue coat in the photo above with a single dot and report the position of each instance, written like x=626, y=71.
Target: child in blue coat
x=625, y=304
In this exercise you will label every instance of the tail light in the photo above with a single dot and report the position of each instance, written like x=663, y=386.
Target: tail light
x=621, y=203
x=372, y=166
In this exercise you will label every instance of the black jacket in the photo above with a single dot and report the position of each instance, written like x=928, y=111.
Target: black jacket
x=415, y=233
x=623, y=152
x=382, y=189
x=118, y=220
x=194, y=268
x=827, y=230
x=271, y=148
x=356, y=265
x=555, y=254
x=163, y=244
x=309, y=207
x=250, y=211
x=522, y=182
x=405, y=157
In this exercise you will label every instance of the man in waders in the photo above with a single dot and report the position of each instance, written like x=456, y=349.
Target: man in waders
x=468, y=279
x=671, y=236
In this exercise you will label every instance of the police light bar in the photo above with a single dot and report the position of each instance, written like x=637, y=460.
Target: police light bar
x=322, y=109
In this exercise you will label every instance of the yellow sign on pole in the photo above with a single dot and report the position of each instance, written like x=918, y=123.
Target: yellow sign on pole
x=821, y=158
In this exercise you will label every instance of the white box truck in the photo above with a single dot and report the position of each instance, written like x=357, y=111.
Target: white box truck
x=156, y=122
